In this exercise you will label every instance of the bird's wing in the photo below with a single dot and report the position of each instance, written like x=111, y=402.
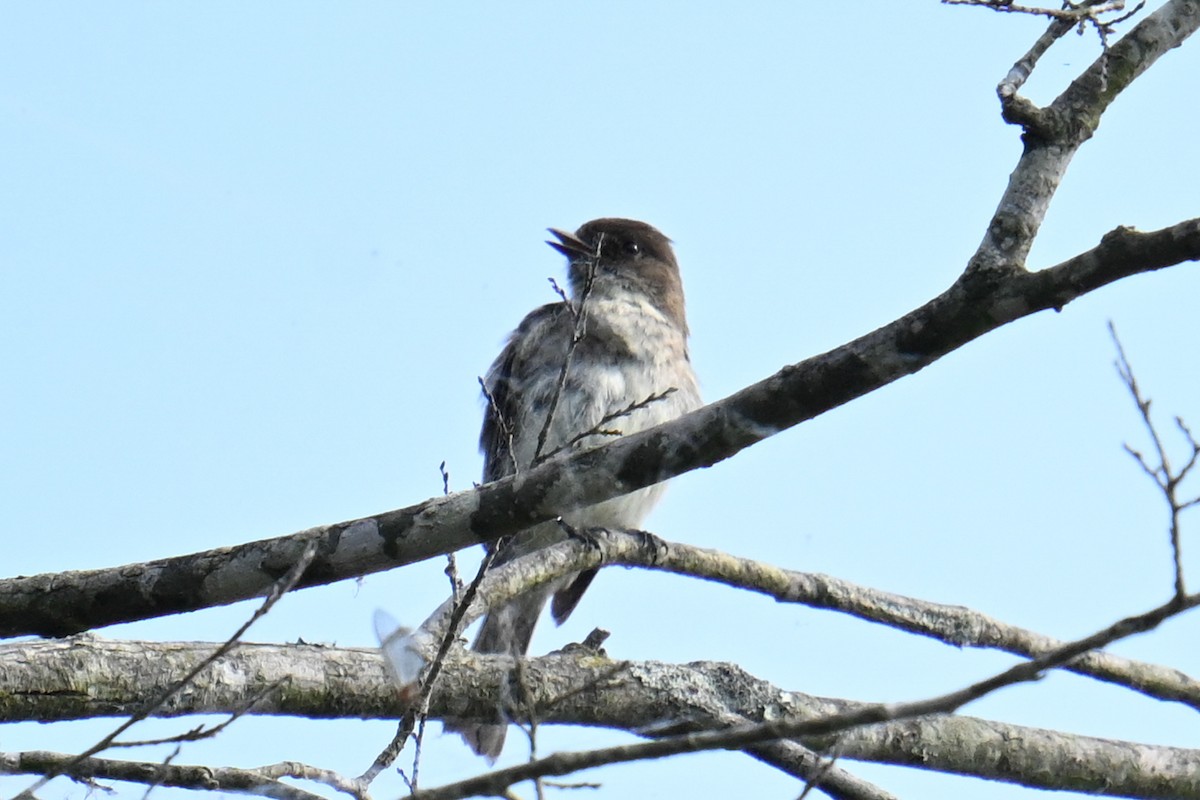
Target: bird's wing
x=539, y=342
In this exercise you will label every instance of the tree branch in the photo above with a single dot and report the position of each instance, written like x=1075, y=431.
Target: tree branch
x=205, y=778
x=847, y=720
x=954, y=625
x=56, y=604
x=1053, y=134
x=326, y=682
x=160, y=699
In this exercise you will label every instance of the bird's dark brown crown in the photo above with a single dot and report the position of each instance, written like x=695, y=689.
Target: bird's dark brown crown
x=624, y=254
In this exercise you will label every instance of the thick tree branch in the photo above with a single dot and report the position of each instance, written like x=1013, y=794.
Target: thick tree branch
x=62, y=603
x=59, y=678
x=847, y=721
x=953, y=625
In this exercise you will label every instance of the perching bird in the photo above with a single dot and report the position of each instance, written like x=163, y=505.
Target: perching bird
x=626, y=319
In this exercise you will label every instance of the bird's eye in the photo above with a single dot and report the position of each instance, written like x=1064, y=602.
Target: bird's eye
x=632, y=248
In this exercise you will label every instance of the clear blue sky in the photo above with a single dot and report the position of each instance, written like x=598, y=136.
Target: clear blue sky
x=253, y=258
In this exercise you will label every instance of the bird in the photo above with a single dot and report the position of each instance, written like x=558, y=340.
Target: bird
x=610, y=358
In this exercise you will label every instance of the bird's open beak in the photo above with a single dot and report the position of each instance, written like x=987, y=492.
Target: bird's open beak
x=570, y=245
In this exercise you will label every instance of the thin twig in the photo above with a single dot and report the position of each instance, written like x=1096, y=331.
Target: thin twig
x=202, y=732
x=418, y=711
x=558, y=290
x=824, y=767
x=579, y=312
x=1163, y=476
x=451, y=562
x=166, y=762
x=599, y=430
x=505, y=427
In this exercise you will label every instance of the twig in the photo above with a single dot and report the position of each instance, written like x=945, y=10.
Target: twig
x=599, y=430
x=824, y=767
x=202, y=732
x=558, y=290
x=1072, y=13
x=166, y=762
x=505, y=427
x=335, y=780
x=414, y=718
x=1163, y=476
x=451, y=562
x=579, y=312
x=818, y=771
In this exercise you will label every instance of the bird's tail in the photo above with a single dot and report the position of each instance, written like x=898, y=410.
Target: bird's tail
x=506, y=631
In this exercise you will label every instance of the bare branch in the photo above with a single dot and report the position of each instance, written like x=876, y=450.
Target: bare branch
x=698, y=696
x=953, y=625
x=282, y=586
x=415, y=715
x=580, y=313
x=504, y=424
x=994, y=290
x=1072, y=14
x=295, y=769
x=1165, y=478
x=741, y=736
x=1020, y=72
x=55, y=604
x=1055, y=133
x=202, y=732
x=200, y=777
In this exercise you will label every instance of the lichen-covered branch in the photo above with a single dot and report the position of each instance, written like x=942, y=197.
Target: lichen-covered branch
x=62, y=603
x=955, y=625
x=323, y=682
